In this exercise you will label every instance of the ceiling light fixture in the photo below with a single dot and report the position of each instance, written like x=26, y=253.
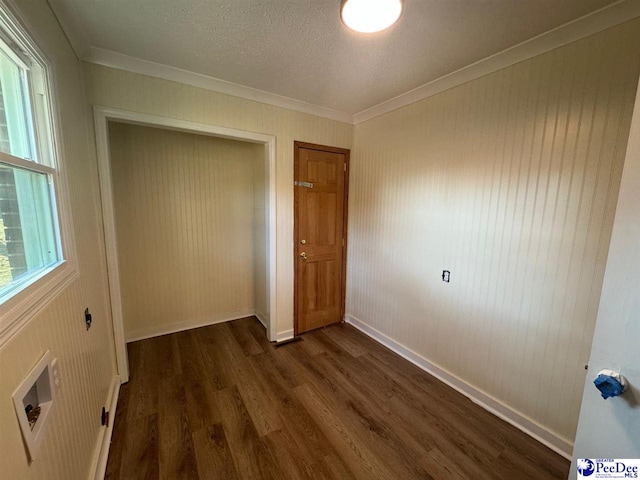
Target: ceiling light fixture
x=369, y=16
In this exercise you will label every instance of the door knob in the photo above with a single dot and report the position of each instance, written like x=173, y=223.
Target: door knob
x=303, y=242
x=303, y=255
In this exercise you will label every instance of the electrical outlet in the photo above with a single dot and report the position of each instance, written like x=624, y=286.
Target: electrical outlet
x=446, y=276
x=87, y=318
x=55, y=370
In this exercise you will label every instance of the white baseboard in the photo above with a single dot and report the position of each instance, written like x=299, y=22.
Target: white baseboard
x=560, y=445
x=99, y=462
x=286, y=335
x=156, y=331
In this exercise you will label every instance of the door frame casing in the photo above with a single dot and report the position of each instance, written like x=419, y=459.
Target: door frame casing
x=102, y=117
x=297, y=145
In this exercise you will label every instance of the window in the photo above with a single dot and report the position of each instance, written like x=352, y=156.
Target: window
x=31, y=244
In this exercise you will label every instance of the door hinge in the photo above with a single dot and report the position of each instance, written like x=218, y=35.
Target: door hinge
x=303, y=184
x=345, y=167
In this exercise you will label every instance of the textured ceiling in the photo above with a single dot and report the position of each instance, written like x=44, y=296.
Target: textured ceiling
x=300, y=49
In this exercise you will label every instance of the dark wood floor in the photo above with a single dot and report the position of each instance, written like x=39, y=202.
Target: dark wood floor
x=221, y=402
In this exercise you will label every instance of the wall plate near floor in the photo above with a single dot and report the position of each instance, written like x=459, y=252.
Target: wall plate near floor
x=34, y=400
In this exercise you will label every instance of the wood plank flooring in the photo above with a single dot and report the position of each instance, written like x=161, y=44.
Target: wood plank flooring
x=221, y=402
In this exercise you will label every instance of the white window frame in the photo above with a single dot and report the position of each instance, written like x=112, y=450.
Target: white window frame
x=39, y=289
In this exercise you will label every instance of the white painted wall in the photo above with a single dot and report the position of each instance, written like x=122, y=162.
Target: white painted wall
x=510, y=181
x=186, y=232
x=611, y=428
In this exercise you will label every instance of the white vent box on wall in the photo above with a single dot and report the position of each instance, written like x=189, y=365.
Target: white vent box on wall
x=34, y=400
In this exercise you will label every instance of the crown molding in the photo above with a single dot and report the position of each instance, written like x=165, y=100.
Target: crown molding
x=582, y=27
x=72, y=27
x=145, y=67
x=590, y=24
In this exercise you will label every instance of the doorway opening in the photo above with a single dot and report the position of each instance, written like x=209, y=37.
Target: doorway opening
x=321, y=176
x=189, y=225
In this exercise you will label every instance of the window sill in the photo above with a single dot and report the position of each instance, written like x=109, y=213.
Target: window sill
x=36, y=294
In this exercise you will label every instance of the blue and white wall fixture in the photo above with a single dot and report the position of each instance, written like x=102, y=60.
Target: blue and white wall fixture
x=610, y=383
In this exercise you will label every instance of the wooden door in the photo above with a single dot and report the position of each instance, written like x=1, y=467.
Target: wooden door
x=320, y=219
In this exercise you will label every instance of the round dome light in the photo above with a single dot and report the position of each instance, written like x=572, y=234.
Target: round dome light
x=369, y=16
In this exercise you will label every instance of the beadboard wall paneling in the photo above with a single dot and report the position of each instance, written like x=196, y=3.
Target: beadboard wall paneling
x=108, y=87
x=184, y=207
x=86, y=358
x=510, y=182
